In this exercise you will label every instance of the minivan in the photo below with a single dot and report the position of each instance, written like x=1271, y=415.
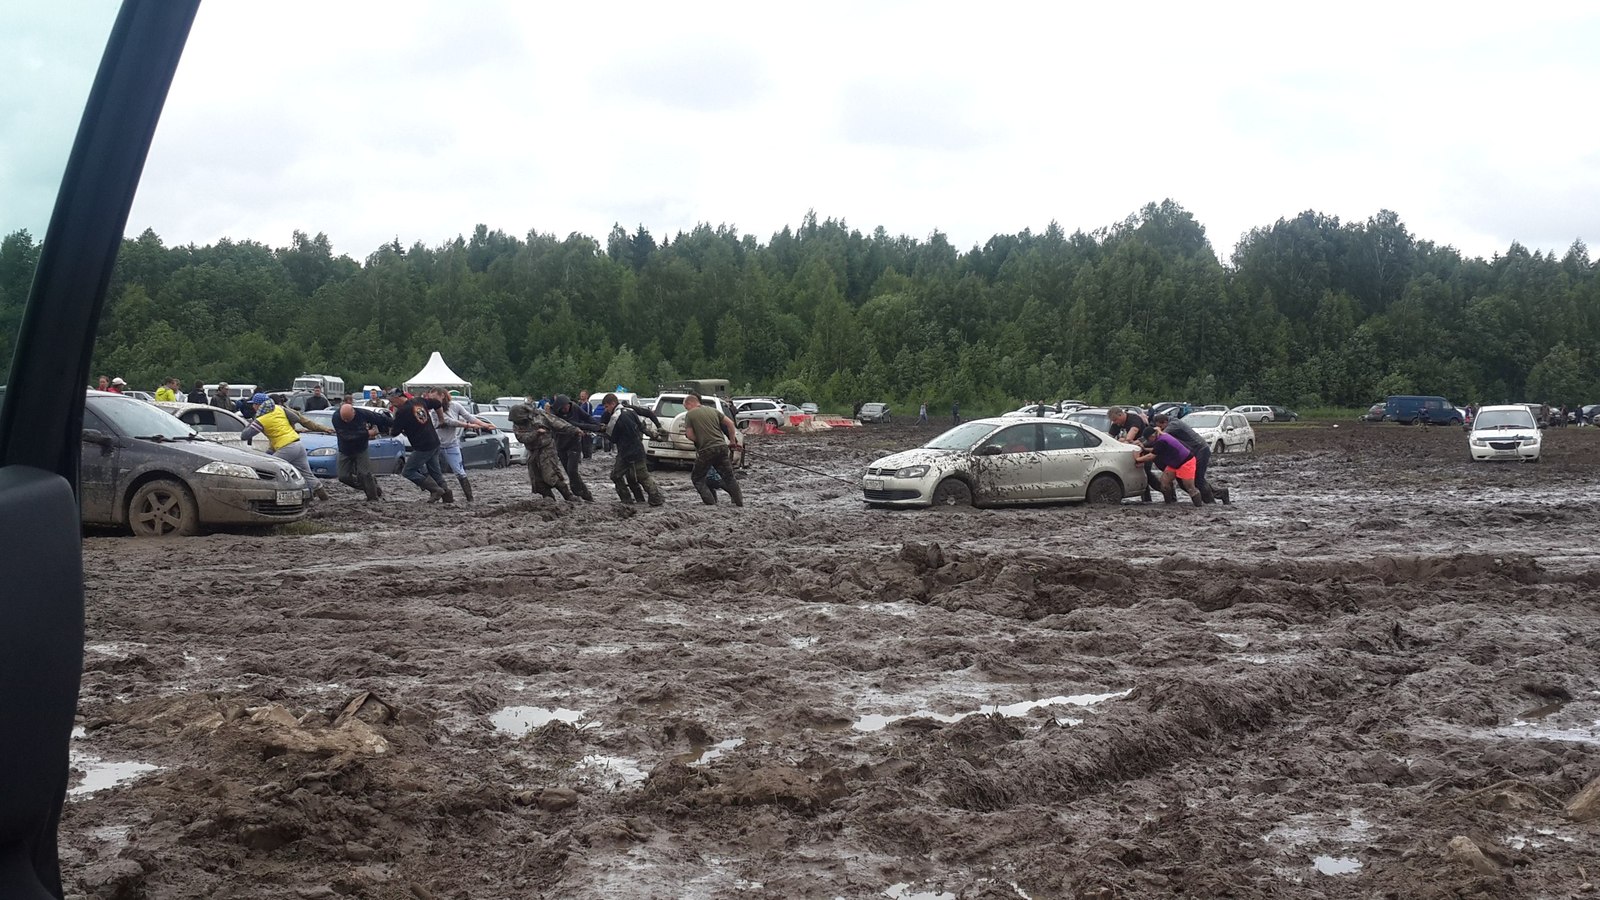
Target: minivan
x=1410, y=410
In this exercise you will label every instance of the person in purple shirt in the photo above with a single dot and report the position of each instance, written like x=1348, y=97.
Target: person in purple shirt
x=1174, y=460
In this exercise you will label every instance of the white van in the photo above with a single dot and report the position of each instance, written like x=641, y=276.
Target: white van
x=236, y=392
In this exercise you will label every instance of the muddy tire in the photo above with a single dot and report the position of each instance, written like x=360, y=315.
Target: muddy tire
x=502, y=460
x=1249, y=446
x=1417, y=420
x=1219, y=448
x=163, y=508
x=773, y=422
x=1105, y=489
x=952, y=493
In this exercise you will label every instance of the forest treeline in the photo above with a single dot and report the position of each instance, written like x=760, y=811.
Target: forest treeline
x=1309, y=311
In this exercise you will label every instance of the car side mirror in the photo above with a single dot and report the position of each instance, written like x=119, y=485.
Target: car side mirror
x=989, y=450
x=99, y=438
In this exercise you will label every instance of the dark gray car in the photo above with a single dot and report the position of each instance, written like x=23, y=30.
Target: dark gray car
x=144, y=469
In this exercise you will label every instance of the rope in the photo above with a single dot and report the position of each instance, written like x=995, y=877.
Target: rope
x=782, y=462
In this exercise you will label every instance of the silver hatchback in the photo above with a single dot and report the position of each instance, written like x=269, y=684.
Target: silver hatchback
x=1004, y=461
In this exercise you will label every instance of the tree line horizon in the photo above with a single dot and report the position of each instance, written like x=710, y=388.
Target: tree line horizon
x=1309, y=312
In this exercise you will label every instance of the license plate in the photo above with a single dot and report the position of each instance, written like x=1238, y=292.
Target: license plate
x=873, y=484
x=289, y=498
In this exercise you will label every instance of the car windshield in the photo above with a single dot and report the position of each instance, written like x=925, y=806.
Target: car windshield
x=961, y=437
x=1489, y=419
x=1203, y=420
x=135, y=418
x=873, y=408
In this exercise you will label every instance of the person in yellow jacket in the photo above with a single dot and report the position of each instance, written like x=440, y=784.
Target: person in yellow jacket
x=277, y=421
x=168, y=391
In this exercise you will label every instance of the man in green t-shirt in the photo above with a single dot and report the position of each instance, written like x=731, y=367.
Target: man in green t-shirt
x=705, y=427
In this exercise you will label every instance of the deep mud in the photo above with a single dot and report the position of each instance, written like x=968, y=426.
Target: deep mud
x=1379, y=648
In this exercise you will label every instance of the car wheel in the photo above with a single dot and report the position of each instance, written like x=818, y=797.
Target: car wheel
x=1456, y=421
x=1416, y=420
x=1220, y=448
x=952, y=492
x=163, y=508
x=1249, y=446
x=1104, y=489
x=1264, y=420
x=773, y=422
x=502, y=460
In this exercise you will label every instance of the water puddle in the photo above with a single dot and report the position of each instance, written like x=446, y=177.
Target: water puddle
x=99, y=775
x=621, y=768
x=802, y=643
x=702, y=756
x=1336, y=865
x=903, y=891
x=870, y=723
x=1534, y=731
x=1348, y=827
x=1537, y=839
x=517, y=721
x=1233, y=640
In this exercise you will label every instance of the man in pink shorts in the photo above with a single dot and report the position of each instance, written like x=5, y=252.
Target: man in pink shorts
x=1174, y=460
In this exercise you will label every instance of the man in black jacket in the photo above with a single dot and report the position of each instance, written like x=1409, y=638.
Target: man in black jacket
x=1128, y=425
x=1202, y=455
x=629, y=473
x=413, y=417
x=354, y=428
x=569, y=445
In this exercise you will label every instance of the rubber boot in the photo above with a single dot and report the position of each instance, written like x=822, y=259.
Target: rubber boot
x=623, y=495
x=567, y=493
x=435, y=492
x=466, y=487
x=1169, y=494
x=707, y=495
x=544, y=492
x=321, y=493
x=1206, y=493
x=732, y=487
x=1222, y=494
x=1196, y=498
x=448, y=496
x=369, y=484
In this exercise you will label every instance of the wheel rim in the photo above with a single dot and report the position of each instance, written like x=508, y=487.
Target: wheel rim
x=160, y=514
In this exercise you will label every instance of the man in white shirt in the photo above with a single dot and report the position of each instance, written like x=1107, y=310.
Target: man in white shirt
x=453, y=418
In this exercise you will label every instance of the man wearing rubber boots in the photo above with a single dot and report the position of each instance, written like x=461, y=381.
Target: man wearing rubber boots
x=625, y=428
x=569, y=444
x=709, y=430
x=454, y=419
x=536, y=428
x=1202, y=455
x=413, y=417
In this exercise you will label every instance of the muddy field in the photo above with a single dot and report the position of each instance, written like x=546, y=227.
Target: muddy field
x=1378, y=649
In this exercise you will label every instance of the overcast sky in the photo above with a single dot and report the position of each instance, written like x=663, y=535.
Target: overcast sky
x=370, y=121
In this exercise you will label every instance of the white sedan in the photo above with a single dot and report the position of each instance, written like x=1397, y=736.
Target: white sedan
x=219, y=426
x=1226, y=432
x=1006, y=460
x=1505, y=432
x=502, y=421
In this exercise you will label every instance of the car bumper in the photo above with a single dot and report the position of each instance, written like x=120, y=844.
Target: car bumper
x=890, y=491
x=222, y=501
x=1520, y=453
x=675, y=452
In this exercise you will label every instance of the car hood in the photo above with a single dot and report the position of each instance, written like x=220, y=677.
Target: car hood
x=205, y=451
x=915, y=457
x=1506, y=434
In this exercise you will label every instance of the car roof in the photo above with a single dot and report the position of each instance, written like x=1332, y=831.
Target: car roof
x=1510, y=406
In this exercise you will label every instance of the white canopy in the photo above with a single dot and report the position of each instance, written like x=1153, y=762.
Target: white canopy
x=437, y=375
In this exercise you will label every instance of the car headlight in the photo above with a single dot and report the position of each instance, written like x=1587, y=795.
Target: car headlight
x=294, y=475
x=1479, y=442
x=324, y=451
x=227, y=469
x=911, y=472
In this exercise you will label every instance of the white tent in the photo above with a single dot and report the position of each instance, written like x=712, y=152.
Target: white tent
x=438, y=375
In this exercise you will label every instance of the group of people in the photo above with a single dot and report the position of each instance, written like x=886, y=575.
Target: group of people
x=1173, y=456
x=554, y=431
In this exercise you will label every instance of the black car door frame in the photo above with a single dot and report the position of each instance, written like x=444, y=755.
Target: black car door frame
x=41, y=638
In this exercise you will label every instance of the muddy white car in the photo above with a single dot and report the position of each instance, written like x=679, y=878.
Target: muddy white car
x=1226, y=432
x=1003, y=461
x=1505, y=432
x=674, y=446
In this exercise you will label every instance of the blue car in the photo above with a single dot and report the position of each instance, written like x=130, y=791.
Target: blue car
x=388, y=454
